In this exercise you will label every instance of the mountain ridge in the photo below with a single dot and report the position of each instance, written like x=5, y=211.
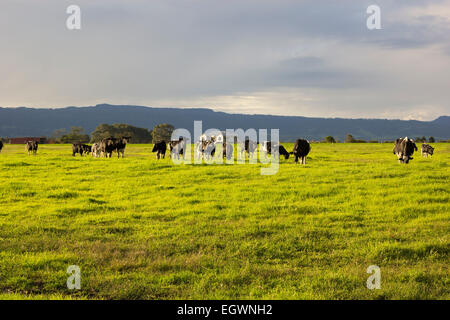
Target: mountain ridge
x=25, y=121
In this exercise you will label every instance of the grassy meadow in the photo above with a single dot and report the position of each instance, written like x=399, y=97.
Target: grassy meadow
x=146, y=229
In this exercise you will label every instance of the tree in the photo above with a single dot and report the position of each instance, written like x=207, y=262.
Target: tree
x=419, y=139
x=162, y=132
x=57, y=134
x=76, y=134
x=117, y=130
x=349, y=138
x=431, y=139
x=329, y=139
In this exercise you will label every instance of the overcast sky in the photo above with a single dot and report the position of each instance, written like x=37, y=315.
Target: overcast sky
x=309, y=58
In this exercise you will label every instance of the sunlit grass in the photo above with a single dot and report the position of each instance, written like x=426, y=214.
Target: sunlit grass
x=146, y=229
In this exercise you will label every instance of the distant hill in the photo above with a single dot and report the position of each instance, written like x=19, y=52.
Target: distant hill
x=23, y=121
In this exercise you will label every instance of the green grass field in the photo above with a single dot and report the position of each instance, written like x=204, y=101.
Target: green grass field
x=146, y=229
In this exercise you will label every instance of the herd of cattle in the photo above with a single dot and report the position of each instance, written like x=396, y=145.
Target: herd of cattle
x=104, y=148
x=404, y=149
x=206, y=149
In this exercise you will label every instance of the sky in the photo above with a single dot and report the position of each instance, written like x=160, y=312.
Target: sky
x=308, y=58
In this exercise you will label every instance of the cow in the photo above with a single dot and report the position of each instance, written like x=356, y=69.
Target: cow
x=301, y=150
x=31, y=147
x=87, y=148
x=80, y=148
x=228, y=150
x=248, y=147
x=404, y=149
x=107, y=146
x=121, y=144
x=177, y=148
x=427, y=150
x=209, y=149
x=96, y=152
x=267, y=148
x=283, y=152
x=199, y=149
x=77, y=148
x=1, y=145
x=206, y=147
x=160, y=148
x=277, y=149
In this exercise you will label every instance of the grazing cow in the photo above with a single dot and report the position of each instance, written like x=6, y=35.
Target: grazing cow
x=96, y=152
x=177, y=148
x=277, y=149
x=425, y=150
x=1, y=145
x=283, y=152
x=160, y=149
x=248, y=147
x=31, y=147
x=404, y=149
x=80, y=148
x=120, y=145
x=267, y=148
x=107, y=146
x=301, y=150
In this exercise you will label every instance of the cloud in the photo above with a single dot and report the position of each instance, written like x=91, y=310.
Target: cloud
x=280, y=57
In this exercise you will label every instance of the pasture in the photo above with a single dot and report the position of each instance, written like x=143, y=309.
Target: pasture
x=146, y=229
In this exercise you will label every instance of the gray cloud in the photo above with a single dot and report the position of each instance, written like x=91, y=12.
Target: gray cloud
x=215, y=52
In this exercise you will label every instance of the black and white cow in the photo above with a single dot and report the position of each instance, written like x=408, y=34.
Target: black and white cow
x=427, y=150
x=177, y=148
x=301, y=150
x=107, y=146
x=1, y=145
x=267, y=147
x=77, y=148
x=404, y=149
x=121, y=143
x=278, y=149
x=199, y=149
x=249, y=147
x=282, y=151
x=96, y=152
x=228, y=150
x=31, y=147
x=80, y=148
x=87, y=148
x=209, y=149
x=160, y=148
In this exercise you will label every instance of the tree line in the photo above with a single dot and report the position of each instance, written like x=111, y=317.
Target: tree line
x=158, y=133
x=139, y=135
